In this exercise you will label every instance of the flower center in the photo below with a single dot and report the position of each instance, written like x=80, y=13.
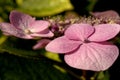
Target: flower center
x=27, y=31
x=86, y=41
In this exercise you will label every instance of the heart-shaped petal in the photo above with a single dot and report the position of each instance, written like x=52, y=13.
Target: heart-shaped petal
x=20, y=20
x=104, y=32
x=63, y=45
x=93, y=56
x=79, y=31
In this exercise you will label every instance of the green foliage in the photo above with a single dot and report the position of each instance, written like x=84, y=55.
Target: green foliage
x=91, y=5
x=5, y=7
x=103, y=76
x=23, y=48
x=18, y=62
x=34, y=7
x=18, y=68
x=44, y=7
x=14, y=46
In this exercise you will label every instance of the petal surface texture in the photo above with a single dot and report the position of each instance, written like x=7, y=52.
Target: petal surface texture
x=20, y=20
x=39, y=26
x=44, y=33
x=93, y=56
x=104, y=32
x=9, y=29
x=79, y=31
x=62, y=45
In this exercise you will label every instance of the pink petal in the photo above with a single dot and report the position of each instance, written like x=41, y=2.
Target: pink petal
x=39, y=26
x=106, y=14
x=104, y=32
x=79, y=31
x=45, y=33
x=9, y=29
x=41, y=43
x=20, y=20
x=93, y=56
x=62, y=45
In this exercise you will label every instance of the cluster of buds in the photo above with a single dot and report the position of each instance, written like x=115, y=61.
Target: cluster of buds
x=83, y=40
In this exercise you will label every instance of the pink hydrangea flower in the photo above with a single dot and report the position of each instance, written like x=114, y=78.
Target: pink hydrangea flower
x=24, y=26
x=85, y=46
x=106, y=14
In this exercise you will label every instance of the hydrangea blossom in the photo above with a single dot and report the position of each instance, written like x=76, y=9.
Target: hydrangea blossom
x=109, y=16
x=106, y=14
x=24, y=26
x=86, y=47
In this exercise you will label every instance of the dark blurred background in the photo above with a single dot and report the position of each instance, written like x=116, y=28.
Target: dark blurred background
x=101, y=5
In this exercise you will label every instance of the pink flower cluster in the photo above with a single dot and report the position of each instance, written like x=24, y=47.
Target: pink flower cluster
x=24, y=26
x=85, y=46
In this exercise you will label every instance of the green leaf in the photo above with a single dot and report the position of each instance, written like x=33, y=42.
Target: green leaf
x=18, y=68
x=5, y=7
x=53, y=56
x=103, y=75
x=16, y=47
x=23, y=48
x=44, y=7
x=91, y=5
